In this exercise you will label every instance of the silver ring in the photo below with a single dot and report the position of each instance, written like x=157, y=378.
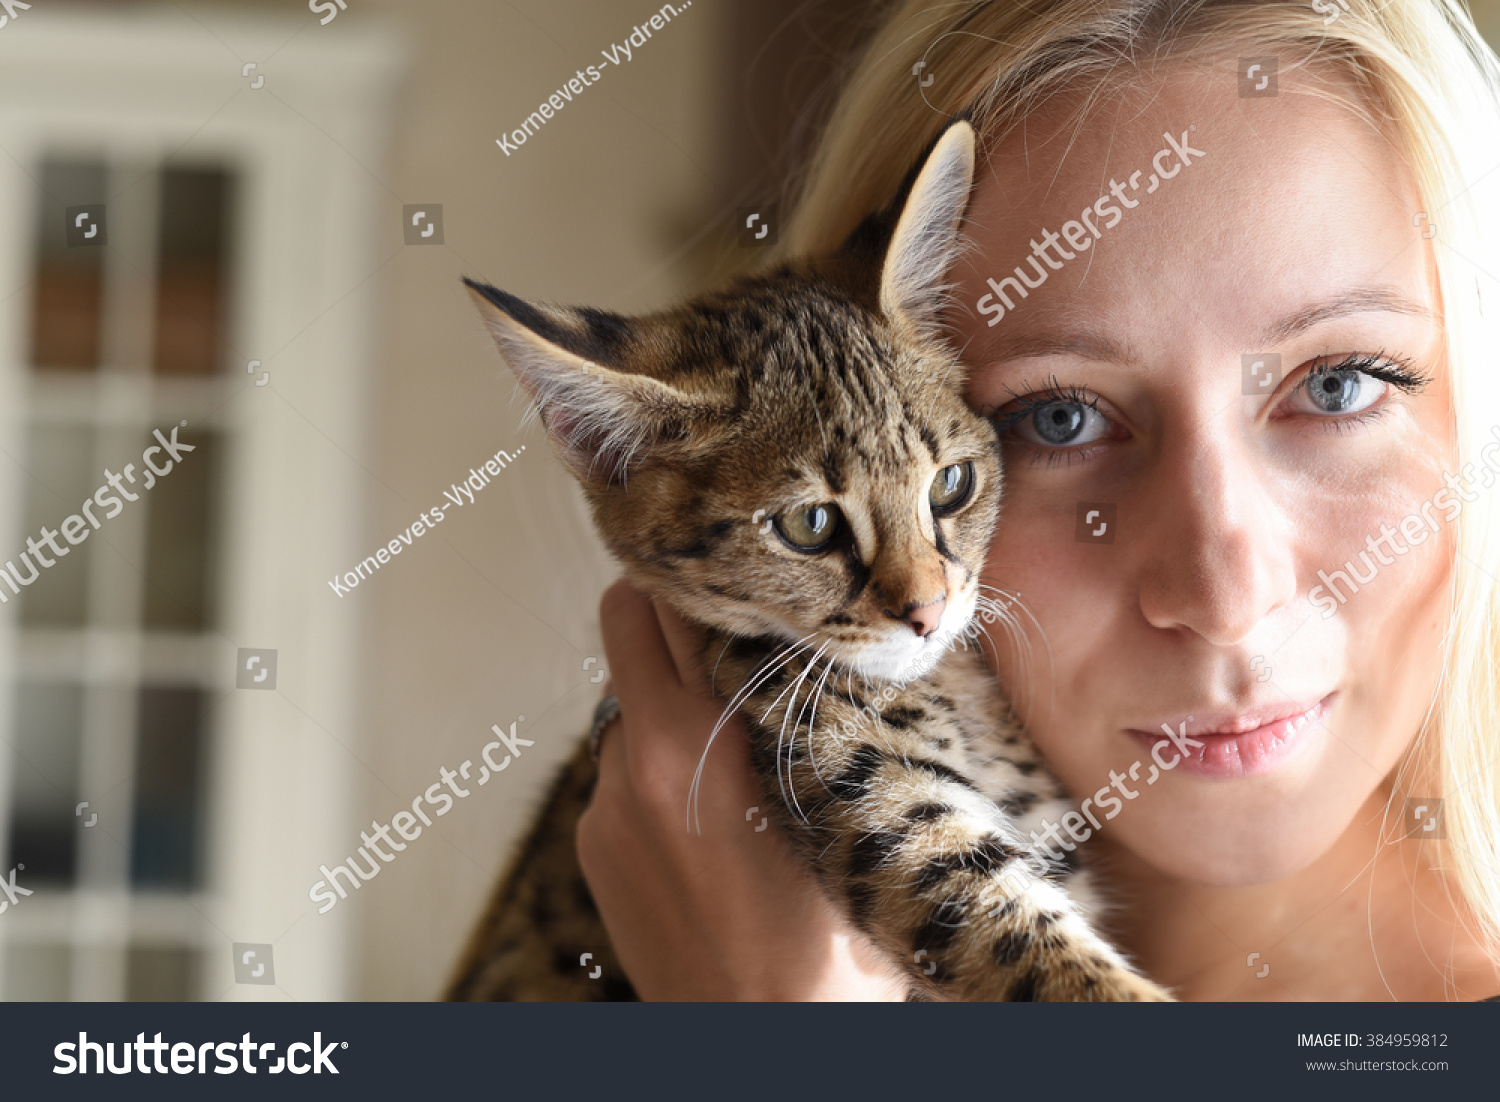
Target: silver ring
x=605, y=713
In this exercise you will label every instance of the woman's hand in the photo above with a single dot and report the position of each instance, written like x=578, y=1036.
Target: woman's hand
x=729, y=915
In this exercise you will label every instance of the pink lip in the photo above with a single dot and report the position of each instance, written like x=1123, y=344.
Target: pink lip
x=1248, y=744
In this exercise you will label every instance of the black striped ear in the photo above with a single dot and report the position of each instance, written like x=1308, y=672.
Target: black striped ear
x=574, y=364
x=925, y=240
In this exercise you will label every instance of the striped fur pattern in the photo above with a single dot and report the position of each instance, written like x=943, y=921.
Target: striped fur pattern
x=531, y=943
x=789, y=463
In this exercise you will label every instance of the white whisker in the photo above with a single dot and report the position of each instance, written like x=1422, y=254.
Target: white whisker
x=811, y=724
x=1013, y=600
x=751, y=684
x=788, y=794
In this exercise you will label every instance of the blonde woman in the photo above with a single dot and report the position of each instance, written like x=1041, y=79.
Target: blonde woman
x=1226, y=291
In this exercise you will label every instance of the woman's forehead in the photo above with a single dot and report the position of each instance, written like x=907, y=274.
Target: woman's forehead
x=1193, y=204
x=1243, y=154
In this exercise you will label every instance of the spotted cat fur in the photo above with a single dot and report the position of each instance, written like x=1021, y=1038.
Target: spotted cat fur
x=888, y=753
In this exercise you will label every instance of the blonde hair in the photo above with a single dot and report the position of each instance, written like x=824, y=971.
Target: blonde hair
x=1421, y=72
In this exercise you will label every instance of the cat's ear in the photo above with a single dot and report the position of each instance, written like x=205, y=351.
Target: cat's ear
x=925, y=241
x=573, y=363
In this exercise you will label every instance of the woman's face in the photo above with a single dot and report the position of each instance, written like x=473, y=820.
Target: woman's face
x=1227, y=392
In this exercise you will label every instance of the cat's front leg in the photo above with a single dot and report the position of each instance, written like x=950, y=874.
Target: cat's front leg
x=925, y=863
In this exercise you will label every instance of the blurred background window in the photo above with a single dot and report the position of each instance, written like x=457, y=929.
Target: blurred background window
x=199, y=205
x=106, y=712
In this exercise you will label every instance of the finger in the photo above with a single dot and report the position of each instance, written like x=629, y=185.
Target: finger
x=685, y=641
x=611, y=752
x=634, y=648
x=592, y=836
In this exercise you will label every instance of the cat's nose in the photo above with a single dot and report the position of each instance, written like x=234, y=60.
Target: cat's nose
x=924, y=619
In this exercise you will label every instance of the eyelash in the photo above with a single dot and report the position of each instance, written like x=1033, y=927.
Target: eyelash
x=1032, y=400
x=1396, y=371
x=1400, y=373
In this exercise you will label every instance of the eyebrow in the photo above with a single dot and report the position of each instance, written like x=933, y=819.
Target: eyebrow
x=1356, y=301
x=1101, y=348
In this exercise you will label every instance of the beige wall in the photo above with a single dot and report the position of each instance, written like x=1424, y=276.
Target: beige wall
x=493, y=617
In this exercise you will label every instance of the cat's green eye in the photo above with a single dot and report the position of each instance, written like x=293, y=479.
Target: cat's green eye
x=809, y=528
x=951, y=488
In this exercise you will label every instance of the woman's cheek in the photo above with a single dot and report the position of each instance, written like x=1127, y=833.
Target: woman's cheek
x=1072, y=599
x=1393, y=595
x=1378, y=543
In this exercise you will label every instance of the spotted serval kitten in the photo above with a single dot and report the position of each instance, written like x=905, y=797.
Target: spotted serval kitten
x=789, y=463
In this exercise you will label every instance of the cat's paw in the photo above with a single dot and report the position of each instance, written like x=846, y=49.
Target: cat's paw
x=1120, y=985
x=1091, y=979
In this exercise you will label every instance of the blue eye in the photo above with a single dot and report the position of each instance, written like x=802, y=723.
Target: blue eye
x=1341, y=391
x=1355, y=383
x=1062, y=424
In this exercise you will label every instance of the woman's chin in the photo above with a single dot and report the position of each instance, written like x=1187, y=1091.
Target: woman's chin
x=1226, y=850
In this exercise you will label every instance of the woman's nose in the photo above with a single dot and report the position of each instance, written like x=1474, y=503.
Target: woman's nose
x=1218, y=547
